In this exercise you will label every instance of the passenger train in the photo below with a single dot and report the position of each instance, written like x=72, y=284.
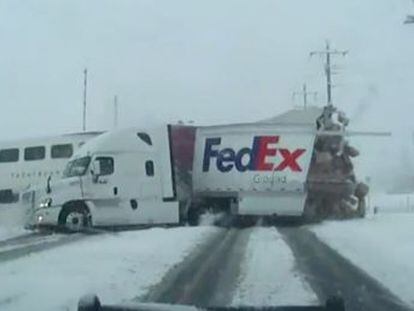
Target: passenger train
x=27, y=162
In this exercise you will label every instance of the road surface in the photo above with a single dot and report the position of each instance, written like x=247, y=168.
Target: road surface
x=25, y=245
x=209, y=276
x=206, y=277
x=211, y=272
x=331, y=274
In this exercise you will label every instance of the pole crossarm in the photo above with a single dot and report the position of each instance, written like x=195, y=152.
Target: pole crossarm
x=328, y=53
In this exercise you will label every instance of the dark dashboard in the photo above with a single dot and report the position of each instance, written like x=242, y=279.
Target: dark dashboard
x=92, y=303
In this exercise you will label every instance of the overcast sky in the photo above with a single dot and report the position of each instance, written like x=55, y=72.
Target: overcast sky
x=208, y=61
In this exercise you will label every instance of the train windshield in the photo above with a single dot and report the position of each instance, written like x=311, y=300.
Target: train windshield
x=76, y=167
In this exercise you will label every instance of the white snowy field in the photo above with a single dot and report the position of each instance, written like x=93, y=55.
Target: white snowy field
x=393, y=203
x=38, y=240
x=268, y=273
x=12, y=218
x=118, y=267
x=209, y=218
x=382, y=245
x=8, y=232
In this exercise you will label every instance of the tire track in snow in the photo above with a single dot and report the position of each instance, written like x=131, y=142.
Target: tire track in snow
x=208, y=276
x=331, y=274
x=268, y=275
x=35, y=243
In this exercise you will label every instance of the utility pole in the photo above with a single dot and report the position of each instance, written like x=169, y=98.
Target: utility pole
x=85, y=84
x=328, y=53
x=305, y=94
x=115, y=111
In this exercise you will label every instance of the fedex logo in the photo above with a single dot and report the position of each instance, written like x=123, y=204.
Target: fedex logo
x=251, y=159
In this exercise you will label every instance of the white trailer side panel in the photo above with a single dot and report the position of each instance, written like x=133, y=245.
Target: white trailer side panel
x=260, y=163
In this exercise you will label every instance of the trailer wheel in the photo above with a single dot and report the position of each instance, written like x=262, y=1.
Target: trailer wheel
x=74, y=218
x=193, y=217
x=245, y=221
x=310, y=212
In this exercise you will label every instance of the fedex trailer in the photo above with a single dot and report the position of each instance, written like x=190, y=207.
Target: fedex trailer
x=256, y=169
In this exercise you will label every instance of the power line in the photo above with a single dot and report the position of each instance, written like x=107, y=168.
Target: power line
x=85, y=84
x=328, y=69
x=305, y=94
x=115, y=111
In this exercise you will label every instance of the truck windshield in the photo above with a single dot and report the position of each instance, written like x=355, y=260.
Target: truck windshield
x=76, y=167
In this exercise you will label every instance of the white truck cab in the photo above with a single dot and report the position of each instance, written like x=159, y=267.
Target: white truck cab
x=122, y=177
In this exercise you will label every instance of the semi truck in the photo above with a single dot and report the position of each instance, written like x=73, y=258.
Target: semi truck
x=297, y=164
x=166, y=175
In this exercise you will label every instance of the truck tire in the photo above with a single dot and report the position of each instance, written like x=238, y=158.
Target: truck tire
x=193, y=217
x=310, y=213
x=335, y=303
x=245, y=221
x=75, y=218
x=89, y=303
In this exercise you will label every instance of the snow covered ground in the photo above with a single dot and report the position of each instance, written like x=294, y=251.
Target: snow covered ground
x=209, y=219
x=393, y=203
x=118, y=267
x=33, y=241
x=12, y=218
x=268, y=273
x=382, y=245
x=8, y=232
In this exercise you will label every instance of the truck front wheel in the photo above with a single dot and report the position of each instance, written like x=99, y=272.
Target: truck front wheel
x=74, y=218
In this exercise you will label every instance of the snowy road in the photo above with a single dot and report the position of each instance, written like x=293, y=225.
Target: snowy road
x=208, y=276
x=116, y=266
x=270, y=266
x=205, y=265
x=28, y=244
x=331, y=274
x=381, y=245
x=251, y=266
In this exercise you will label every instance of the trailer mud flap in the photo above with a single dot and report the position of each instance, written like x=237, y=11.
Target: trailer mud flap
x=279, y=204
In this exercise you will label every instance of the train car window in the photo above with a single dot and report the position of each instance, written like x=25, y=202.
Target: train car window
x=34, y=153
x=61, y=151
x=9, y=155
x=145, y=138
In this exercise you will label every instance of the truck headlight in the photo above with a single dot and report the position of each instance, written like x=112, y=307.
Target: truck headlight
x=46, y=203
